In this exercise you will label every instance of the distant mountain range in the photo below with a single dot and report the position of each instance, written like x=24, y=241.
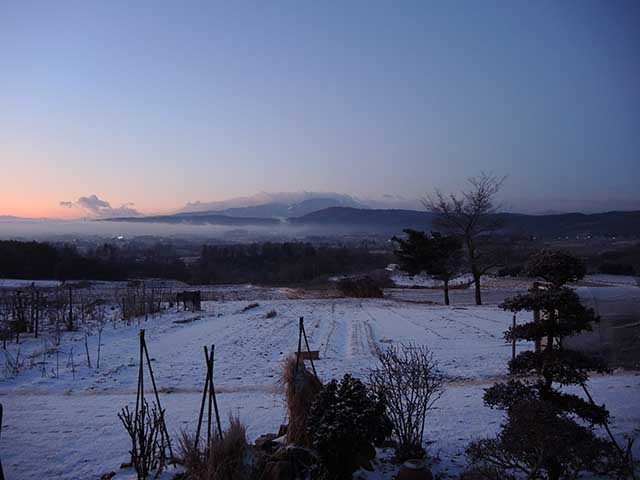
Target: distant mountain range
x=325, y=214
x=275, y=204
x=281, y=209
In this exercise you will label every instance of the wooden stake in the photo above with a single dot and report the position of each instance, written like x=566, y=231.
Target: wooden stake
x=210, y=400
x=513, y=340
x=44, y=357
x=306, y=341
x=155, y=391
x=209, y=396
x=536, y=319
x=86, y=348
x=1, y=471
x=300, y=323
x=99, y=342
x=212, y=392
x=73, y=366
x=204, y=397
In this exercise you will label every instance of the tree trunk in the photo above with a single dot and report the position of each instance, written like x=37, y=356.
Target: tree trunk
x=471, y=252
x=446, y=292
x=476, y=285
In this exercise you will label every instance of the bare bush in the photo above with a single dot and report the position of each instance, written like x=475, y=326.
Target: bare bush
x=13, y=365
x=148, y=448
x=409, y=382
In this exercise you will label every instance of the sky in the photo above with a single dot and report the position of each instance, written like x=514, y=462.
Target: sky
x=146, y=106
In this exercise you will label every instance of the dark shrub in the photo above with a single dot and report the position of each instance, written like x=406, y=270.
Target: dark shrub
x=616, y=269
x=345, y=423
x=556, y=267
x=361, y=287
x=511, y=271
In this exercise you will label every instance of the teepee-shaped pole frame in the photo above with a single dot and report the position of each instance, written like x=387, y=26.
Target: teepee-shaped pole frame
x=302, y=334
x=140, y=403
x=209, y=398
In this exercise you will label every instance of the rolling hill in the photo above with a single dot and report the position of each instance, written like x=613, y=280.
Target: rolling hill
x=389, y=222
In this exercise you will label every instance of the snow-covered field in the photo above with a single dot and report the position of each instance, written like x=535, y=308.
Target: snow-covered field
x=67, y=428
x=603, y=279
x=423, y=280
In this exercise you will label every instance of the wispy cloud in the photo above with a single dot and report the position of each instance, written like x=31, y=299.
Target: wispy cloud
x=99, y=208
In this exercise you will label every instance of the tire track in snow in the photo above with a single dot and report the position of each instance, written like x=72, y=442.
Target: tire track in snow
x=475, y=327
x=416, y=324
x=473, y=315
x=359, y=337
x=370, y=336
x=332, y=329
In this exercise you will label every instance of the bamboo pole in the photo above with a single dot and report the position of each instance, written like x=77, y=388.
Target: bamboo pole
x=306, y=341
x=204, y=397
x=155, y=391
x=213, y=394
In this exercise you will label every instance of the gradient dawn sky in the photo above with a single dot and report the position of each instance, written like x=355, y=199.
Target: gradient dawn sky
x=155, y=104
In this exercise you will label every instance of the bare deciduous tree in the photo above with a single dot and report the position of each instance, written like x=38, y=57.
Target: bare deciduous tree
x=471, y=215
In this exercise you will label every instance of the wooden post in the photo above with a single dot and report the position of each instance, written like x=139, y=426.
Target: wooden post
x=300, y=323
x=99, y=343
x=86, y=348
x=144, y=296
x=73, y=365
x=44, y=357
x=32, y=311
x=513, y=339
x=37, y=318
x=536, y=318
x=70, y=324
x=306, y=342
x=1, y=471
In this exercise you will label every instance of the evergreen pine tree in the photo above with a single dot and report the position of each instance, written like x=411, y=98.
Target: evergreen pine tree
x=438, y=255
x=548, y=433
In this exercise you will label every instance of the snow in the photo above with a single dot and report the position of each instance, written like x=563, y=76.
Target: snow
x=67, y=428
x=614, y=280
x=17, y=283
x=424, y=280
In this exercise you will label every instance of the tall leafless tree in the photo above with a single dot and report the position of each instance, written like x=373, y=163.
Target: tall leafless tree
x=471, y=215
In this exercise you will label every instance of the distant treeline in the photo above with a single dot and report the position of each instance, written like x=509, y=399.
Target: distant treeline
x=282, y=263
x=264, y=263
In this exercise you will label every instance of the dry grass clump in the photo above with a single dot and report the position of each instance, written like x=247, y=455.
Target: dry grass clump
x=227, y=458
x=301, y=388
